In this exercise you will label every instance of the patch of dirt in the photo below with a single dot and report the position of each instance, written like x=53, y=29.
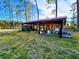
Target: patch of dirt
x=76, y=33
x=7, y=30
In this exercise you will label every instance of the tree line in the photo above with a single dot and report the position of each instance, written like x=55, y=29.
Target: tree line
x=24, y=9
x=9, y=25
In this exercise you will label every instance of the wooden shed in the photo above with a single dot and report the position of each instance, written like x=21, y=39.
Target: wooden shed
x=46, y=24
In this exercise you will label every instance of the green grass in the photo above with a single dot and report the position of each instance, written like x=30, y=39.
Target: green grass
x=24, y=45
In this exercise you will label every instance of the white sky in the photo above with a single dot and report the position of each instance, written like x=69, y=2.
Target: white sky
x=64, y=7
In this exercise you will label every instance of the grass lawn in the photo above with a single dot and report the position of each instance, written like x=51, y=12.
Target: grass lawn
x=24, y=45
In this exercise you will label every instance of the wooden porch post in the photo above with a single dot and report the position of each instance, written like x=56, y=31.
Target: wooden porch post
x=38, y=28
x=61, y=29
x=22, y=27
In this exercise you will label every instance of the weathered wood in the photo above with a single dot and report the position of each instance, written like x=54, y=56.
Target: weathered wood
x=22, y=27
x=61, y=29
x=50, y=24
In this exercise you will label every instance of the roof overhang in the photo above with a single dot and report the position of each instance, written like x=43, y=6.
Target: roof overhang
x=45, y=21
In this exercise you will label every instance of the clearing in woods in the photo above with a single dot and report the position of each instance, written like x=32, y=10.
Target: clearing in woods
x=24, y=45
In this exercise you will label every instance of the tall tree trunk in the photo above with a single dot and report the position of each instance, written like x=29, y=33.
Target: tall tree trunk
x=56, y=8
x=17, y=17
x=38, y=30
x=9, y=7
x=78, y=14
x=12, y=16
x=25, y=10
x=17, y=23
x=56, y=4
x=37, y=9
